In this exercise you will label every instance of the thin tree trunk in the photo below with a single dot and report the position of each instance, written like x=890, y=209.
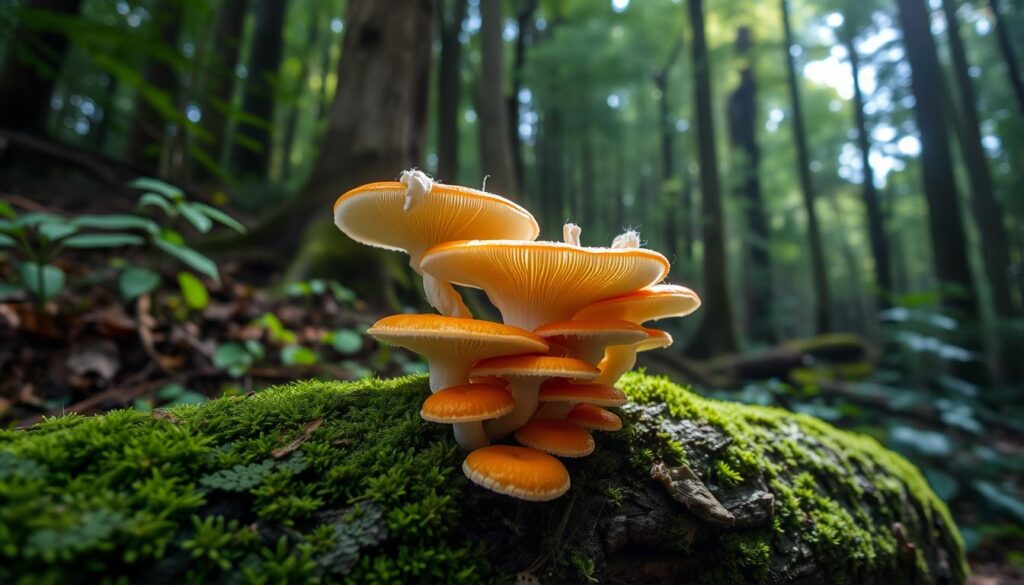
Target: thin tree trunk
x=221, y=86
x=743, y=135
x=949, y=244
x=25, y=91
x=666, y=131
x=148, y=131
x=876, y=225
x=715, y=334
x=450, y=87
x=300, y=94
x=524, y=21
x=253, y=143
x=1009, y=57
x=495, y=138
x=822, y=299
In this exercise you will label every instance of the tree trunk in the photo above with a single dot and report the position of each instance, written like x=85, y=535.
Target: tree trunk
x=25, y=85
x=223, y=75
x=149, y=128
x=300, y=93
x=253, y=144
x=1009, y=56
x=876, y=225
x=949, y=244
x=715, y=334
x=524, y=22
x=822, y=299
x=668, y=204
x=376, y=123
x=495, y=151
x=743, y=135
x=450, y=88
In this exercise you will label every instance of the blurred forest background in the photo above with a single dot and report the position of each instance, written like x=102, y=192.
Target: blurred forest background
x=842, y=181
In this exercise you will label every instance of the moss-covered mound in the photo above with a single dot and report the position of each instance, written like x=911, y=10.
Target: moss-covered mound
x=343, y=482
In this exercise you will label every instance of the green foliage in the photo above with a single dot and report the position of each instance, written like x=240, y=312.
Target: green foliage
x=193, y=291
x=136, y=281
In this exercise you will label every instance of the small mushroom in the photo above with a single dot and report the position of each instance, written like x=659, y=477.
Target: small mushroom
x=587, y=340
x=465, y=407
x=558, y=397
x=412, y=215
x=594, y=418
x=519, y=472
x=557, y=437
x=619, y=359
x=533, y=283
x=647, y=304
x=451, y=345
x=525, y=373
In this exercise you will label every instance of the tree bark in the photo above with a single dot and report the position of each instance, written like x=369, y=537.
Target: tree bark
x=524, y=22
x=715, y=333
x=26, y=86
x=149, y=128
x=876, y=224
x=223, y=75
x=450, y=88
x=743, y=135
x=822, y=298
x=253, y=145
x=495, y=140
x=1009, y=56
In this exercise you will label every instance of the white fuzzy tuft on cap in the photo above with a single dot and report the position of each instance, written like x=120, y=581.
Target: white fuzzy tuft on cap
x=571, y=234
x=627, y=239
x=417, y=186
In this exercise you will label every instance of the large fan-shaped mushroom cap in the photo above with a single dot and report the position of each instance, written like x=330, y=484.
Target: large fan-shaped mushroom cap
x=647, y=304
x=533, y=283
x=519, y=472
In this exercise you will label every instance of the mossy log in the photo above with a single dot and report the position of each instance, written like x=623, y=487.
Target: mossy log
x=342, y=482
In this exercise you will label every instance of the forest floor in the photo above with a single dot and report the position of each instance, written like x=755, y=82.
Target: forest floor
x=90, y=350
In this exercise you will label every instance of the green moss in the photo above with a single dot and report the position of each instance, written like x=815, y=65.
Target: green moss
x=375, y=495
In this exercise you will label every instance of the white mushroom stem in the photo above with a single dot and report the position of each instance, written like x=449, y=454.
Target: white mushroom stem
x=554, y=410
x=470, y=435
x=618, y=359
x=447, y=371
x=442, y=296
x=627, y=239
x=524, y=392
x=571, y=234
x=417, y=186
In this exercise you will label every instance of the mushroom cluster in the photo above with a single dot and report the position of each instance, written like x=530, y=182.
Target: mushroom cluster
x=572, y=324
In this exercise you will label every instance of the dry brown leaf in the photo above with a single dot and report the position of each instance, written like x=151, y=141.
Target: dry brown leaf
x=298, y=440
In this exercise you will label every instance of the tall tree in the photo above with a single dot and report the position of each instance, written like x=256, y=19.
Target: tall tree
x=221, y=86
x=299, y=94
x=149, y=127
x=869, y=192
x=715, y=333
x=451, y=13
x=743, y=135
x=949, y=244
x=1009, y=57
x=822, y=298
x=376, y=122
x=30, y=70
x=524, y=27
x=495, y=141
x=254, y=139
x=666, y=130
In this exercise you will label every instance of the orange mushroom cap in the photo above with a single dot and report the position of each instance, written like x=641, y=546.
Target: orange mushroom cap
x=519, y=472
x=557, y=437
x=647, y=304
x=533, y=283
x=594, y=418
x=587, y=340
x=467, y=403
x=535, y=366
x=656, y=339
x=599, y=394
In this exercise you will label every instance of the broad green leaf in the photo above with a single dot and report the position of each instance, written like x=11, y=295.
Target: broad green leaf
x=7, y=241
x=1001, y=498
x=56, y=230
x=341, y=293
x=195, y=217
x=117, y=222
x=171, y=391
x=157, y=186
x=346, y=341
x=220, y=217
x=278, y=332
x=45, y=282
x=36, y=218
x=135, y=282
x=172, y=236
x=155, y=200
x=103, y=241
x=190, y=258
x=297, y=355
x=194, y=291
x=6, y=210
x=233, y=358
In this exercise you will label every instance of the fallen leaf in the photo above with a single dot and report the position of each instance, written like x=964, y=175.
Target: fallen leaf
x=298, y=440
x=161, y=414
x=98, y=357
x=686, y=488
